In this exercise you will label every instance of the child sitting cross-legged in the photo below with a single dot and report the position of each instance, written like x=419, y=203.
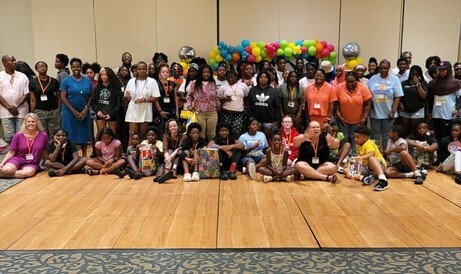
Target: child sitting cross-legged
x=402, y=164
x=188, y=152
x=277, y=167
x=370, y=157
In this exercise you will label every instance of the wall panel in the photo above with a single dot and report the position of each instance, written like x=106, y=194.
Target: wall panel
x=374, y=25
x=432, y=29
x=185, y=22
x=63, y=27
x=122, y=27
x=16, y=30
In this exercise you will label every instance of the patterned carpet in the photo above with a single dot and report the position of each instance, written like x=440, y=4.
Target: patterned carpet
x=200, y=261
x=7, y=183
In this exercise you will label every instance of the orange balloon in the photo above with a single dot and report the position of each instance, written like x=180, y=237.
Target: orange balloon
x=235, y=57
x=318, y=55
x=184, y=72
x=318, y=47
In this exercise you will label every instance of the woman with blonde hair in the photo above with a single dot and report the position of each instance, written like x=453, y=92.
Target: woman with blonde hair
x=25, y=150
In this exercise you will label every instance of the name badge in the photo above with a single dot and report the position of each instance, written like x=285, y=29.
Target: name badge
x=29, y=157
x=43, y=97
x=381, y=96
x=291, y=104
x=12, y=91
x=166, y=100
x=317, y=106
x=315, y=160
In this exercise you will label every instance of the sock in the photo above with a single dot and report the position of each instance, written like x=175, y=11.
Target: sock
x=233, y=167
x=417, y=173
x=410, y=174
x=382, y=177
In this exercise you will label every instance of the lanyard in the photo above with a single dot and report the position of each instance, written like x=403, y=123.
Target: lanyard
x=166, y=88
x=29, y=146
x=63, y=152
x=315, y=148
x=12, y=80
x=47, y=85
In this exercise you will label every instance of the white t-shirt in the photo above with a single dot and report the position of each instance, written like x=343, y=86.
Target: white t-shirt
x=394, y=157
x=12, y=88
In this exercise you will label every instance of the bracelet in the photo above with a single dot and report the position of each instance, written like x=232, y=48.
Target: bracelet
x=418, y=85
x=86, y=106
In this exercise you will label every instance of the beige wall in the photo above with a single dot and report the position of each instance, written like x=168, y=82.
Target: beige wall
x=101, y=30
x=432, y=29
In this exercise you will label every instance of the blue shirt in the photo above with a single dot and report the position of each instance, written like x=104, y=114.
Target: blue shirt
x=384, y=91
x=248, y=140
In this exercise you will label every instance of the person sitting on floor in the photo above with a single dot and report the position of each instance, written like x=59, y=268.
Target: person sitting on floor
x=277, y=168
x=449, y=152
x=63, y=157
x=402, y=164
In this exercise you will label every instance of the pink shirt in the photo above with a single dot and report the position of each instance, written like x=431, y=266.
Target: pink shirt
x=108, y=151
x=11, y=90
x=205, y=100
x=237, y=92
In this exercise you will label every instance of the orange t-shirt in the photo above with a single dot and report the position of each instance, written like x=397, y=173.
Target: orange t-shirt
x=351, y=104
x=318, y=100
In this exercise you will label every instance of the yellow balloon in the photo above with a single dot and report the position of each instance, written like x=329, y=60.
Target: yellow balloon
x=253, y=44
x=359, y=60
x=219, y=58
x=183, y=65
x=258, y=59
x=212, y=54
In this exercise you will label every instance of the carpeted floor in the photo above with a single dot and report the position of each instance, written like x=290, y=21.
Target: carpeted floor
x=201, y=261
x=7, y=183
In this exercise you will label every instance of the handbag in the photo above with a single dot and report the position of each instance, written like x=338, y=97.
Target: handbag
x=185, y=114
x=192, y=119
x=208, y=163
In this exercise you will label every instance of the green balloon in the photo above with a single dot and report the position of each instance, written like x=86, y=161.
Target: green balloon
x=306, y=43
x=333, y=55
x=283, y=44
x=311, y=50
x=288, y=52
x=261, y=45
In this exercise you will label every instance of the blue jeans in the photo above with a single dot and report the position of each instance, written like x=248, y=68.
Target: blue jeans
x=381, y=127
x=10, y=127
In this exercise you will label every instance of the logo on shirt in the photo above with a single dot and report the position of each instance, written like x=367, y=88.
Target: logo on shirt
x=262, y=100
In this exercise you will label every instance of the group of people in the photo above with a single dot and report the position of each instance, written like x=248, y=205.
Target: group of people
x=314, y=116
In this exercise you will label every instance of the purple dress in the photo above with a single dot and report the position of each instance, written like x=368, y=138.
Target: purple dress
x=20, y=145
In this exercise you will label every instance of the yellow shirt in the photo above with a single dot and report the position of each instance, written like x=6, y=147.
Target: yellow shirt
x=368, y=146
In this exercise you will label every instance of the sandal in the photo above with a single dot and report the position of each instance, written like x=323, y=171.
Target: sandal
x=92, y=171
x=331, y=178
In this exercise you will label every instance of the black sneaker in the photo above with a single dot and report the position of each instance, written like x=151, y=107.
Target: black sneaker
x=458, y=179
x=118, y=172
x=137, y=175
x=232, y=176
x=129, y=172
x=382, y=185
x=51, y=172
x=223, y=176
x=165, y=177
x=368, y=180
x=419, y=180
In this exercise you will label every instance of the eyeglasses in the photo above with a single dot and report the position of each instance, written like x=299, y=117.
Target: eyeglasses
x=287, y=122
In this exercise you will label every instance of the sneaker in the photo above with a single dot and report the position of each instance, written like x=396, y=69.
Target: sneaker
x=267, y=178
x=252, y=170
x=165, y=177
x=368, y=180
x=223, y=176
x=423, y=171
x=187, y=177
x=3, y=143
x=340, y=170
x=129, y=172
x=382, y=185
x=137, y=175
x=195, y=176
x=51, y=172
x=244, y=170
x=118, y=172
x=290, y=178
x=232, y=176
x=458, y=179
x=419, y=180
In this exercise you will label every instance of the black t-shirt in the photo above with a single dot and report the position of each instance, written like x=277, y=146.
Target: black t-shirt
x=221, y=142
x=68, y=150
x=107, y=101
x=166, y=99
x=411, y=101
x=51, y=89
x=306, y=151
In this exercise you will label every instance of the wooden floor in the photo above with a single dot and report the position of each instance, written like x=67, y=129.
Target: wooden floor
x=83, y=212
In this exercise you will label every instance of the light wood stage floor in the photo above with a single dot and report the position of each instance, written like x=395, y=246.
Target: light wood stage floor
x=104, y=212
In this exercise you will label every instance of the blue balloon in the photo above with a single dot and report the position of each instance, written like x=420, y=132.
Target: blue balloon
x=245, y=43
x=299, y=42
x=216, y=66
x=230, y=49
x=223, y=52
x=228, y=57
x=239, y=49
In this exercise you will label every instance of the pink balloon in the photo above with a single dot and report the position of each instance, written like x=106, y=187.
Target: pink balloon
x=251, y=58
x=248, y=49
x=303, y=49
x=330, y=47
x=325, y=52
x=273, y=54
x=324, y=44
x=276, y=45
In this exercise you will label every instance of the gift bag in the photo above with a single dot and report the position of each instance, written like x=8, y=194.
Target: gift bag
x=185, y=114
x=146, y=160
x=208, y=163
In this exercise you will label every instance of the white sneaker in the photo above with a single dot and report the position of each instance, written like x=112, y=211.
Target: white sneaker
x=244, y=170
x=187, y=177
x=3, y=143
x=252, y=171
x=290, y=178
x=195, y=176
x=267, y=178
